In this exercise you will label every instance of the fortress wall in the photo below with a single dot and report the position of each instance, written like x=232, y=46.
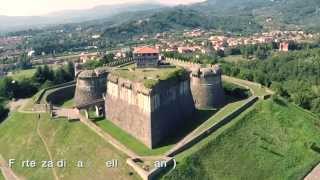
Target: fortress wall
x=174, y=107
x=61, y=94
x=150, y=116
x=184, y=64
x=129, y=110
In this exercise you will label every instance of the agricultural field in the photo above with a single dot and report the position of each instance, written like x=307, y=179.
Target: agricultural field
x=272, y=136
x=25, y=137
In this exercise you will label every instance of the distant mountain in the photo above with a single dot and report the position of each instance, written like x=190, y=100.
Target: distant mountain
x=181, y=18
x=239, y=16
x=8, y=23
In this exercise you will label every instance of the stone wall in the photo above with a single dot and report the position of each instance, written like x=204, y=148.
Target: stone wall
x=150, y=115
x=90, y=89
x=61, y=94
x=172, y=107
x=184, y=64
x=208, y=91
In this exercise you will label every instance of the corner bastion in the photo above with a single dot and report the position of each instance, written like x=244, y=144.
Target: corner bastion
x=206, y=87
x=151, y=114
x=90, y=86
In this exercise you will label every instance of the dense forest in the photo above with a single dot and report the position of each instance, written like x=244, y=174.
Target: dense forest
x=294, y=75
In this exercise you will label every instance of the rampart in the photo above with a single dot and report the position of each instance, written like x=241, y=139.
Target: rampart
x=185, y=64
x=150, y=115
x=60, y=94
x=205, y=133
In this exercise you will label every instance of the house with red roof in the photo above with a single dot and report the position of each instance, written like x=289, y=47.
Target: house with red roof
x=146, y=57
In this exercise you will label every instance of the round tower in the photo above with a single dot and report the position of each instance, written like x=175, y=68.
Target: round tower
x=91, y=85
x=206, y=87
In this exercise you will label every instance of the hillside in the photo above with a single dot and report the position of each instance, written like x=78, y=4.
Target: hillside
x=274, y=137
x=238, y=16
x=179, y=19
x=24, y=137
x=14, y=23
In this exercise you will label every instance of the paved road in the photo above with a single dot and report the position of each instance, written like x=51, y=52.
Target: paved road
x=314, y=175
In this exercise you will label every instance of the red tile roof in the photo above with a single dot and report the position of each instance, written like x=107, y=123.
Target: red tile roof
x=145, y=50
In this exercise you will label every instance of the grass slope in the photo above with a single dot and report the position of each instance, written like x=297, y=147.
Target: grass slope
x=67, y=141
x=129, y=141
x=19, y=75
x=1, y=176
x=272, y=141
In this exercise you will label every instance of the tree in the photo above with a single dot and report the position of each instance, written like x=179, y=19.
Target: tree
x=70, y=70
x=38, y=76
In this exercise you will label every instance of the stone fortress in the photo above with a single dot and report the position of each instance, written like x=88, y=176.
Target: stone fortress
x=150, y=113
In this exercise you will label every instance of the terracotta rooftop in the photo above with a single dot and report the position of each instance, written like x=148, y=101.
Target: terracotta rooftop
x=145, y=50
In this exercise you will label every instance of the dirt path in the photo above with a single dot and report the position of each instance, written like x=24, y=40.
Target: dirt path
x=107, y=137
x=47, y=149
x=6, y=171
x=314, y=175
x=17, y=105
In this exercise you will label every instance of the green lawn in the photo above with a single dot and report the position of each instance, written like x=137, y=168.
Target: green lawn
x=21, y=74
x=142, y=150
x=150, y=76
x=235, y=58
x=1, y=176
x=68, y=141
x=129, y=141
x=221, y=114
x=271, y=140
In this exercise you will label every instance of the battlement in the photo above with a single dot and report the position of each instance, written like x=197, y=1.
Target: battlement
x=206, y=72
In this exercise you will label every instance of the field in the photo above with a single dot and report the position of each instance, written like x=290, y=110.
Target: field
x=272, y=140
x=24, y=137
x=1, y=176
x=235, y=58
x=28, y=73
x=21, y=74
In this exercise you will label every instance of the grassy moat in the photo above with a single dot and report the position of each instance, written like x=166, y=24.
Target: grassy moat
x=271, y=140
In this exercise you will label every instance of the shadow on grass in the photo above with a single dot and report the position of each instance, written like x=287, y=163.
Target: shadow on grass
x=98, y=119
x=200, y=116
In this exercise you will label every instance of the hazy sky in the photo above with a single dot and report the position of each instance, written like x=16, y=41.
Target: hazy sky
x=39, y=7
